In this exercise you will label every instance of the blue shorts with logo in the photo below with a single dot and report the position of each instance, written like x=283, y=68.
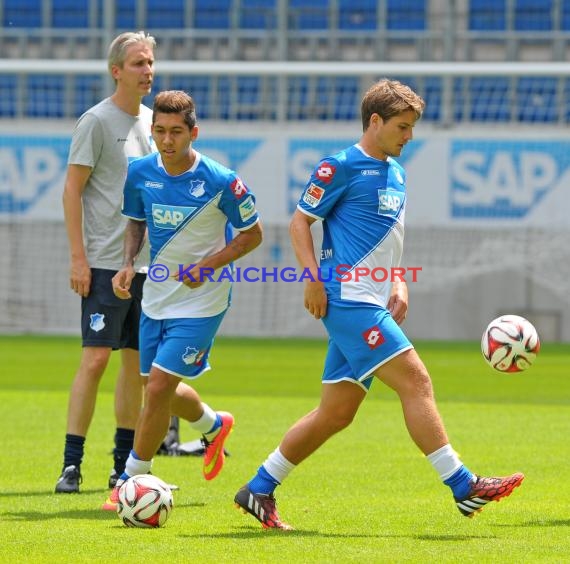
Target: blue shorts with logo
x=362, y=337
x=180, y=347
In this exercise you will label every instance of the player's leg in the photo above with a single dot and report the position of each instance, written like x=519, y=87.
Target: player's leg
x=407, y=375
x=81, y=406
x=100, y=329
x=129, y=384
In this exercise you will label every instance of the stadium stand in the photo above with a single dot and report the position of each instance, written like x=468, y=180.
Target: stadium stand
x=297, y=30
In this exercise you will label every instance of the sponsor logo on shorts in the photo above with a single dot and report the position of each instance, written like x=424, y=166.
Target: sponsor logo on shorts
x=192, y=355
x=373, y=337
x=313, y=195
x=97, y=322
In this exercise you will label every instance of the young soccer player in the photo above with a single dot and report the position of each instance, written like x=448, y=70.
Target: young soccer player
x=360, y=194
x=188, y=202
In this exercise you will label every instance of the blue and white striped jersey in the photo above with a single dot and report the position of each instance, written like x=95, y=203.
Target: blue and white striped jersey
x=361, y=201
x=188, y=217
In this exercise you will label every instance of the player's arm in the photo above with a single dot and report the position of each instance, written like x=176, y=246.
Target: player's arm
x=303, y=245
x=398, y=303
x=80, y=272
x=241, y=245
x=134, y=238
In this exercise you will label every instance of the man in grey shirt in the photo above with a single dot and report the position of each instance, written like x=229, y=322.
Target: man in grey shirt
x=105, y=138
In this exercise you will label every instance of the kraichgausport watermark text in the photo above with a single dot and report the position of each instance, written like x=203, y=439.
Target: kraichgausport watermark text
x=341, y=273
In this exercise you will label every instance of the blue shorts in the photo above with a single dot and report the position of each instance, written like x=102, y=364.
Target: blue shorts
x=180, y=347
x=362, y=337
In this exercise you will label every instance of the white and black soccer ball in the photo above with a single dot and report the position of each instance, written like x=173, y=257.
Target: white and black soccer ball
x=510, y=343
x=144, y=501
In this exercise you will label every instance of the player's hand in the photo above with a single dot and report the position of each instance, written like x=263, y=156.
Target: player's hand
x=122, y=282
x=398, y=303
x=315, y=299
x=80, y=277
x=192, y=278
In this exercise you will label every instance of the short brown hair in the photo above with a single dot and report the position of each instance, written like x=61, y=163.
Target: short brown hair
x=388, y=98
x=175, y=102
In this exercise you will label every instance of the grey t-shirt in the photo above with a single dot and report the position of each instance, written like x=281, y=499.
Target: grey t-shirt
x=106, y=138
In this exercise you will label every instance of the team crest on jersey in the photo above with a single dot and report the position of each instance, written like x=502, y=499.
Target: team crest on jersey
x=192, y=356
x=238, y=188
x=326, y=172
x=373, y=337
x=97, y=322
x=313, y=195
x=197, y=188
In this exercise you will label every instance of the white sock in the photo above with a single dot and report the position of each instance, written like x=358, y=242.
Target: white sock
x=445, y=461
x=134, y=466
x=206, y=421
x=278, y=466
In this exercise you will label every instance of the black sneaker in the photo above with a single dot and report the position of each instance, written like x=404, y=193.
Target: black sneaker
x=485, y=490
x=69, y=480
x=113, y=477
x=262, y=507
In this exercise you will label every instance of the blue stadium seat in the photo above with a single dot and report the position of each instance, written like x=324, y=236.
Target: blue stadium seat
x=531, y=15
x=258, y=14
x=126, y=14
x=537, y=99
x=565, y=15
x=22, y=13
x=88, y=92
x=166, y=15
x=70, y=13
x=357, y=14
x=309, y=16
x=46, y=96
x=406, y=14
x=200, y=88
x=489, y=99
x=346, y=92
x=8, y=95
x=487, y=15
x=213, y=14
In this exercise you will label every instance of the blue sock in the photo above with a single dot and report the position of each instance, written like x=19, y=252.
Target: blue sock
x=217, y=424
x=460, y=483
x=263, y=482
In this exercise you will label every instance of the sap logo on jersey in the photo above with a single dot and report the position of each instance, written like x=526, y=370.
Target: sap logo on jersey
x=502, y=179
x=389, y=202
x=170, y=217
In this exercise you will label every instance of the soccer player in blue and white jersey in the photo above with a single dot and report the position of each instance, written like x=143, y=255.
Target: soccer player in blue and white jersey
x=359, y=195
x=189, y=203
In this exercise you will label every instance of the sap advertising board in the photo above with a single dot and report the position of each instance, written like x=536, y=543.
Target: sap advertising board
x=452, y=179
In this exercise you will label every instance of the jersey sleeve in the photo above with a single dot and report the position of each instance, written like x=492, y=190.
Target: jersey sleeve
x=238, y=204
x=323, y=190
x=86, y=141
x=133, y=205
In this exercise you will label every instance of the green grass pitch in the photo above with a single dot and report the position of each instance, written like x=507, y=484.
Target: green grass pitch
x=367, y=496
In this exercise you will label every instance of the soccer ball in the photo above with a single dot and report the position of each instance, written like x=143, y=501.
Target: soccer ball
x=510, y=343
x=144, y=501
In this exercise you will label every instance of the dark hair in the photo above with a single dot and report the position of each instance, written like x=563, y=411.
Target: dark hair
x=175, y=102
x=388, y=98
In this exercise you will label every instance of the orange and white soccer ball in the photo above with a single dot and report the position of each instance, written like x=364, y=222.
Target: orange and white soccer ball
x=144, y=501
x=510, y=343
